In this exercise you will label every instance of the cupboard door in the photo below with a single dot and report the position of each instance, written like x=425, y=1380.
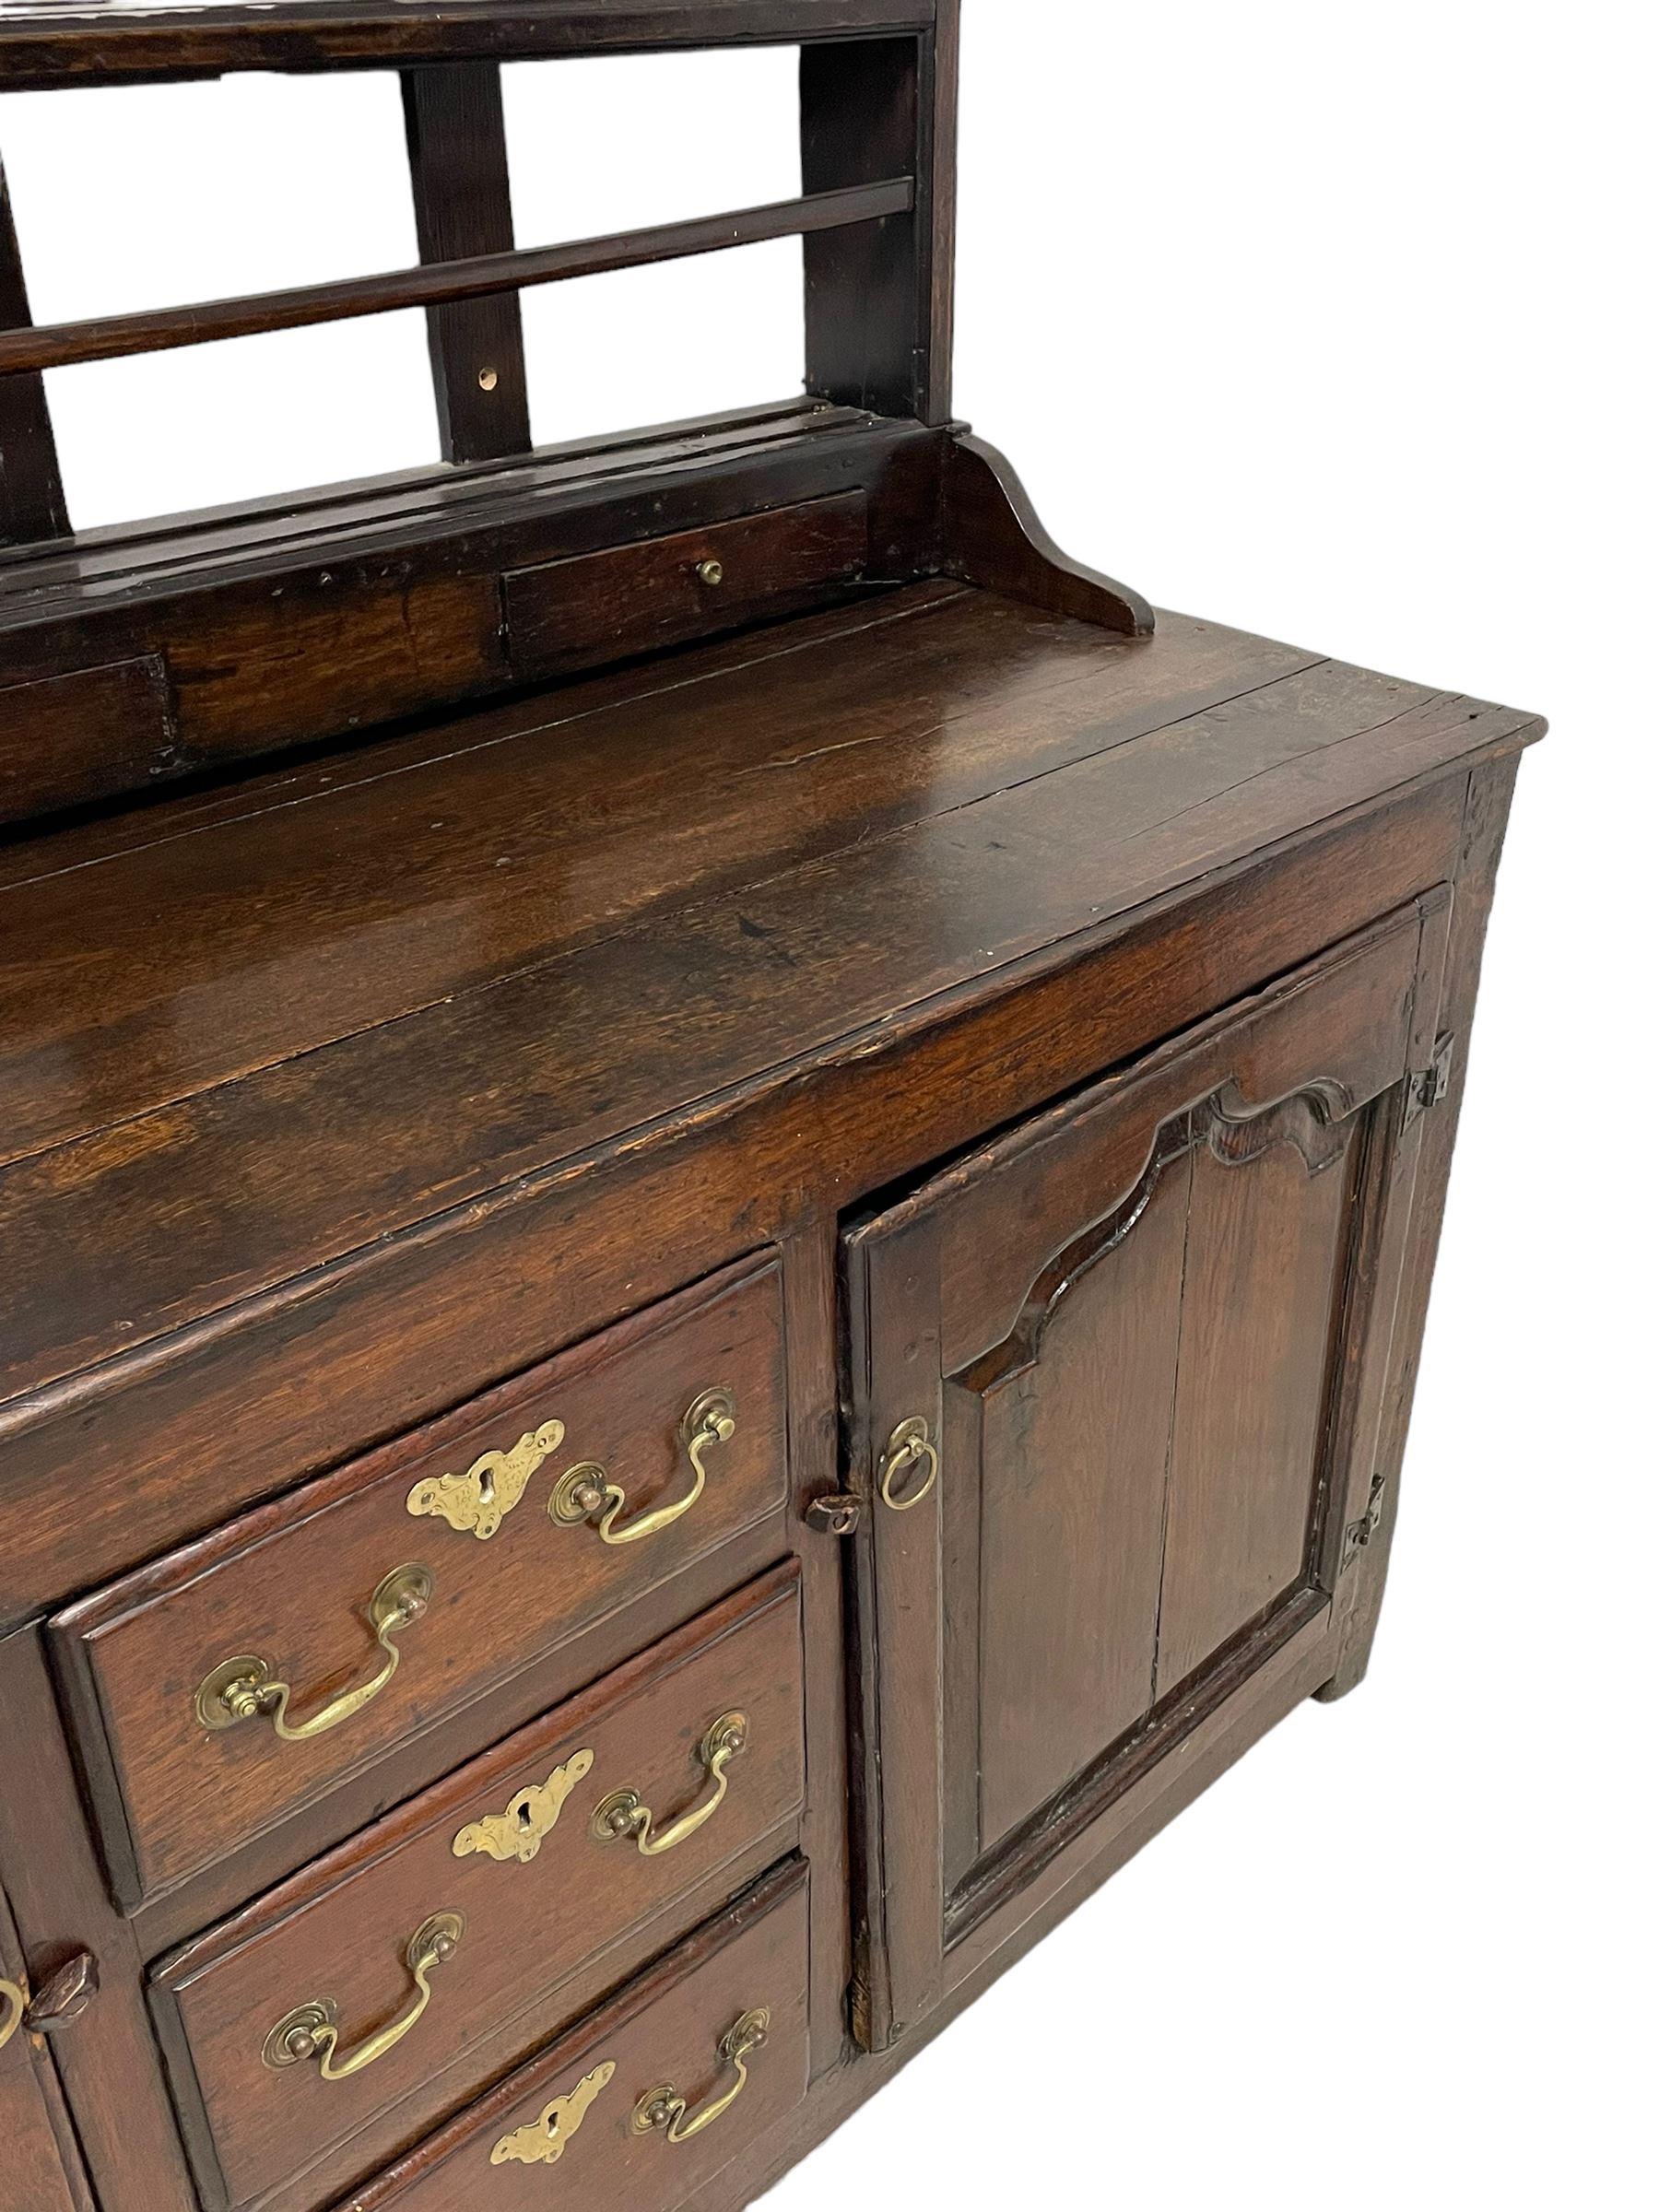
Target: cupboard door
x=1107, y=1398
x=39, y=2168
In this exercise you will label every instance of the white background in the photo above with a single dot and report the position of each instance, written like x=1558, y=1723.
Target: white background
x=1333, y=321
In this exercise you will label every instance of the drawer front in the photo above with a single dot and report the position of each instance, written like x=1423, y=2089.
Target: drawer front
x=629, y=599
x=236, y=1680
x=586, y=1842
x=643, y=2106
x=64, y=739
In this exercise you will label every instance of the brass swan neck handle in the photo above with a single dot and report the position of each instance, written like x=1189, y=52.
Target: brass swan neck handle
x=663, y=2110
x=586, y=1493
x=311, y=2030
x=623, y=1814
x=244, y=1688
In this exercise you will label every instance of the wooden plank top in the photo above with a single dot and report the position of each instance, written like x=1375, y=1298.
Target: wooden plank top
x=45, y=42
x=246, y=1033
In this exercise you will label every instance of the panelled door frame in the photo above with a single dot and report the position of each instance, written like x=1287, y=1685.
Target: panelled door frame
x=1237, y=1081
x=37, y=2140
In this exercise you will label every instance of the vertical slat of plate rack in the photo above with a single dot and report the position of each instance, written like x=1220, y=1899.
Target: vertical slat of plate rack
x=31, y=489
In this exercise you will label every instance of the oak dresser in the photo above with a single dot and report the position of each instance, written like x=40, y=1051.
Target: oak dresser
x=718, y=1190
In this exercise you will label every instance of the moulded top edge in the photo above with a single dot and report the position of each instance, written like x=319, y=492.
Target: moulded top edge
x=45, y=43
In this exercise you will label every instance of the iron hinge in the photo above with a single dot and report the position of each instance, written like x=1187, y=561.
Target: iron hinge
x=836, y=1515
x=1426, y=1087
x=1359, y=1534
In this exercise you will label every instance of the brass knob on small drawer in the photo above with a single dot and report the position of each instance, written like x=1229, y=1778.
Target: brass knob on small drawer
x=712, y=573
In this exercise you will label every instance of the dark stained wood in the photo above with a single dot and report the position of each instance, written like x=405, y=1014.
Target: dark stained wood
x=319, y=617
x=294, y=867
x=602, y=607
x=1263, y=1273
x=867, y=292
x=534, y=1933
x=1490, y=794
x=106, y=2058
x=40, y=2164
x=457, y=139
x=811, y=1278
x=994, y=539
x=345, y=1355
x=309, y=1161
x=1073, y=1460
x=1217, y=1738
x=667, y=2028
x=133, y=42
x=93, y=731
x=1145, y=1326
x=449, y=283
x=950, y=994
x=31, y=488
x=431, y=1751
x=292, y=1585
x=936, y=206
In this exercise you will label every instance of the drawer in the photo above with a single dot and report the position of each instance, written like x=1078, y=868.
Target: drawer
x=644, y=2105
x=218, y=1690
x=416, y=1963
x=629, y=599
x=64, y=739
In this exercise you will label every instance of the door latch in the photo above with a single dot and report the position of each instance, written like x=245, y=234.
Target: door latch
x=838, y=1514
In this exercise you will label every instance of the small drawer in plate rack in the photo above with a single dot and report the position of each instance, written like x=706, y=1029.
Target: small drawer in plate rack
x=571, y=613
x=219, y=1689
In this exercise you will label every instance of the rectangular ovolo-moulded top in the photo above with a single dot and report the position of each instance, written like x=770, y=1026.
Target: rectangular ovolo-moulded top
x=53, y=45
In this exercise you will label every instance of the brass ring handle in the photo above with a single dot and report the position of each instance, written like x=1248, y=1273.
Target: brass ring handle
x=14, y=2003
x=623, y=1816
x=908, y=1446
x=662, y=2111
x=587, y=1491
x=243, y=1688
x=311, y=2030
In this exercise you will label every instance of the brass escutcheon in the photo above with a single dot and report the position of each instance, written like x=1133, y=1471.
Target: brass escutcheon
x=662, y=2111
x=477, y=1503
x=243, y=1688
x=531, y=1817
x=586, y=1493
x=622, y=1815
x=548, y=2137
